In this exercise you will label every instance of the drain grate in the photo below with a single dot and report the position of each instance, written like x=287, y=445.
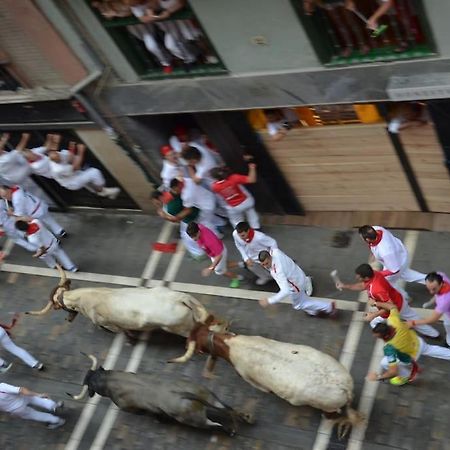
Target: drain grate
x=341, y=239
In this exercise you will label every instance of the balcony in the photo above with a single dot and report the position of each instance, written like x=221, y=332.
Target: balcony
x=176, y=47
x=340, y=36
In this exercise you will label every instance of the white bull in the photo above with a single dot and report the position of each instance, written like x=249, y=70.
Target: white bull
x=130, y=309
x=299, y=374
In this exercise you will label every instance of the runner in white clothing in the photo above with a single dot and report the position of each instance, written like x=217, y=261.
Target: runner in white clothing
x=48, y=246
x=21, y=203
x=8, y=227
x=7, y=343
x=70, y=175
x=17, y=400
x=392, y=254
x=14, y=168
x=171, y=166
x=250, y=243
x=293, y=283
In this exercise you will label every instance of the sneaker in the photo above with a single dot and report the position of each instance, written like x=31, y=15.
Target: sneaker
x=262, y=281
x=309, y=286
x=5, y=367
x=38, y=366
x=235, y=283
x=60, y=423
x=112, y=193
x=73, y=269
x=58, y=407
x=63, y=234
x=399, y=381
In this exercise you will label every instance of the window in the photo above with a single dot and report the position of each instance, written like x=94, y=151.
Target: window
x=170, y=48
x=340, y=36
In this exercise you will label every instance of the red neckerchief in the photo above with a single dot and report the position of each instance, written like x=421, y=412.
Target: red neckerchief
x=377, y=239
x=444, y=289
x=250, y=236
x=37, y=158
x=14, y=189
x=7, y=328
x=32, y=228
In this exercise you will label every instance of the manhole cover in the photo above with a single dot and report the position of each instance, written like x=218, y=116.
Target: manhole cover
x=341, y=239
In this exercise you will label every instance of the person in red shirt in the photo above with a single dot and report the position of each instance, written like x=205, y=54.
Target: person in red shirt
x=380, y=290
x=239, y=203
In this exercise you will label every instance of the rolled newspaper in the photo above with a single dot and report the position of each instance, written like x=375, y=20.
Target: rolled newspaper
x=334, y=275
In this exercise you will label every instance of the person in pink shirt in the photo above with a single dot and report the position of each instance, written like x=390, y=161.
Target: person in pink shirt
x=438, y=284
x=216, y=250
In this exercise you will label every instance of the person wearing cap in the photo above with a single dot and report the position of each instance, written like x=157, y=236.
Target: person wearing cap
x=171, y=166
x=21, y=203
x=18, y=401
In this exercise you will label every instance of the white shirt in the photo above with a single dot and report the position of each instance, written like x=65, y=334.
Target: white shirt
x=10, y=399
x=8, y=223
x=250, y=250
x=42, y=237
x=42, y=165
x=390, y=251
x=14, y=168
x=288, y=275
x=169, y=172
x=196, y=195
x=26, y=204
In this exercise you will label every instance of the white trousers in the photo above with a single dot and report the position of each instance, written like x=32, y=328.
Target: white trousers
x=26, y=412
x=433, y=351
x=88, y=178
x=56, y=254
x=301, y=300
x=406, y=274
x=244, y=211
x=259, y=271
x=222, y=267
x=7, y=343
x=407, y=313
x=44, y=216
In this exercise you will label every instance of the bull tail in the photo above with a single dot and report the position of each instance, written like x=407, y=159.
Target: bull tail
x=214, y=409
x=13, y=323
x=349, y=418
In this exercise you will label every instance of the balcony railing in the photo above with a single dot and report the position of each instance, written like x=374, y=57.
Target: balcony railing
x=340, y=36
x=173, y=48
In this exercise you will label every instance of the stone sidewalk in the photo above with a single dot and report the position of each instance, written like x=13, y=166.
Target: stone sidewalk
x=113, y=250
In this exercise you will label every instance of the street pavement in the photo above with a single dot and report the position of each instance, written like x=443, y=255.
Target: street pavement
x=116, y=250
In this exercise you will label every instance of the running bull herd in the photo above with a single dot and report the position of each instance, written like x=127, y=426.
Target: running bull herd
x=299, y=374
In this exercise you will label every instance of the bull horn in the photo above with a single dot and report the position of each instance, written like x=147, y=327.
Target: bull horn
x=187, y=356
x=84, y=390
x=80, y=395
x=62, y=274
x=43, y=311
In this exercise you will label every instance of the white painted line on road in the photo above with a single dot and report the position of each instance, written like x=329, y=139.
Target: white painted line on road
x=155, y=256
x=175, y=263
x=82, y=276
x=89, y=408
x=247, y=294
x=111, y=415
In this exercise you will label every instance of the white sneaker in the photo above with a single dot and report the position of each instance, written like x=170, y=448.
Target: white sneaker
x=309, y=286
x=5, y=367
x=38, y=366
x=112, y=193
x=262, y=281
x=60, y=423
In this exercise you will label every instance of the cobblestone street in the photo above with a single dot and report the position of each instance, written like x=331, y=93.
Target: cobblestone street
x=114, y=250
